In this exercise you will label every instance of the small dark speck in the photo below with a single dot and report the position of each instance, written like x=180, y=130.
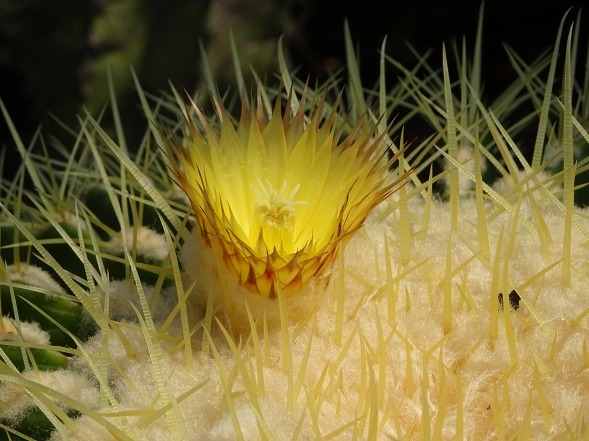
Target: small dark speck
x=514, y=299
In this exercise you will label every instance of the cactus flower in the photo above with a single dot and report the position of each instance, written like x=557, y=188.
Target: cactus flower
x=276, y=196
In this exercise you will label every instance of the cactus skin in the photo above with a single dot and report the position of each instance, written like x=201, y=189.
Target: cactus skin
x=56, y=245
x=51, y=239
x=98, y=202
x=117, y=270
x=68, y=313
x=45, y=359
x=34, y=424
x=10, y=237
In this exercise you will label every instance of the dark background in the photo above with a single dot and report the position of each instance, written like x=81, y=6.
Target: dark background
x=53, y=55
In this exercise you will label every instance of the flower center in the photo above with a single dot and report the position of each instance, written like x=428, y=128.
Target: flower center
x=275, y=208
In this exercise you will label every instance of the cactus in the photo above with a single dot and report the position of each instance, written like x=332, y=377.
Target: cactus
x=46, y=309
x=27, y=349
x=33, y=425
x=401, y=335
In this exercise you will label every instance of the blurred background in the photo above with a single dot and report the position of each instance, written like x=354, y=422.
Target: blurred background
x=54, y=54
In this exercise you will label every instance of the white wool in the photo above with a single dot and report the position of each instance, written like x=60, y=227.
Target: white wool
x=30, y=275
x=124, y=300
x=466, y=160
x=145, y=241
x=71, y=384
x=27, y=331
x=334, y=389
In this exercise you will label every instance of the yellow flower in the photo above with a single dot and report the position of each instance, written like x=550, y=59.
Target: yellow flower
x=277, y=196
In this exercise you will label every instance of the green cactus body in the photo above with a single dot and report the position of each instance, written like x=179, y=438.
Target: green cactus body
x=33, y=425
x=64, y=310
x=45, y=359
x=10, y=239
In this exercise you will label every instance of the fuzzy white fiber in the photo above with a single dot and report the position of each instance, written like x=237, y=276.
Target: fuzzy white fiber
x=381, y=360
x=27, y=331
x=66, y=382
x=146, y=241
x=30, y=275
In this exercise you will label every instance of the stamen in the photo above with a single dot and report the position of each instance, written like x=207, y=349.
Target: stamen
x=275, y=208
